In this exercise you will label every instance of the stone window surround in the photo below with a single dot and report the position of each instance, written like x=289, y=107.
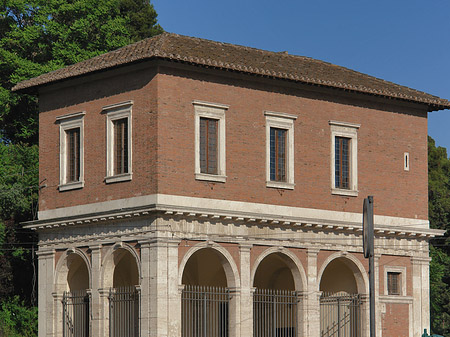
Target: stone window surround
x=212, y=111
x=347, y=130
x=281, y=120
x=114, y=112
x=66, y=123
x=402, y=285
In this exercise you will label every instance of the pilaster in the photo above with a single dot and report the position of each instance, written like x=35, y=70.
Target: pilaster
x=421, y=293
x=174, y=295
x=312, y=305
x=46, y=315
x=97, y=314
x=158, y=291
x=246, y=309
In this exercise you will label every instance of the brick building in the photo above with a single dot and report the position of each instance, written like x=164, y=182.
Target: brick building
x=196, y=188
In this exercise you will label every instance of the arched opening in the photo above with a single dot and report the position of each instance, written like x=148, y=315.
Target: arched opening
x=275, y=301
x=75, y=297
x=124, y=296
x=340, y=301
x=206, y=296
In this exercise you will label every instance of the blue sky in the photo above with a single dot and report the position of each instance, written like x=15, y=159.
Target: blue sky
x=403, y=41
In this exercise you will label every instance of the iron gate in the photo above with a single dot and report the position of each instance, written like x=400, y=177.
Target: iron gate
x=76, y=314
x=124, y=312
x=340, y=315
x=275, y=313
x=205, y=311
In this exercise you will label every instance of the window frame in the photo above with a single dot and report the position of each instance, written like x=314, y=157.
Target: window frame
x=284, y=121
x=113, y=113
x=350, y=131
x=66, y=123
x=402, y=280
x=214, y=111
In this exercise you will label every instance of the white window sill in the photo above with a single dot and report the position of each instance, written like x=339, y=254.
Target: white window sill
x=71, y=186
x=211, y=177
x=349, y=193
x=280, y=184
x=118, y=178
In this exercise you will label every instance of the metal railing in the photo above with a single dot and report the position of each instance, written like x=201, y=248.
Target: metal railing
x=76, y=314
x=340, y=315
x=275, y=313
x=124, y=308
x=204, y=311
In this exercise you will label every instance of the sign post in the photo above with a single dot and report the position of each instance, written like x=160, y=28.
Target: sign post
x=368, y=247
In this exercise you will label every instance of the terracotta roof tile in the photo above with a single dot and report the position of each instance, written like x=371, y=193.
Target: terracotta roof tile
x=239, y=58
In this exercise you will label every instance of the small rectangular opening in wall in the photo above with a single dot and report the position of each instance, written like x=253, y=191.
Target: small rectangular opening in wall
x=393, y=283
x=406, y=161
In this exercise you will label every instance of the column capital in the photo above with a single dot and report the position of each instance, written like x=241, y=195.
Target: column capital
x=420, y=259
x=245, y=246
x=95, y=247
x=45, y=253
x=312, y=251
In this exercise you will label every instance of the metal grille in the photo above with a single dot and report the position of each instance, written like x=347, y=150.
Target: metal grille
x=340, y=315
x=124, y=312
x=275, y=313
x=205, y=311
x=76, y=314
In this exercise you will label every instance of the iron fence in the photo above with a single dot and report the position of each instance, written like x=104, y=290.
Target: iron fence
x=340, y=315
x=205, y=311
x=124, y=308
x=275, y=313
x=76, y=314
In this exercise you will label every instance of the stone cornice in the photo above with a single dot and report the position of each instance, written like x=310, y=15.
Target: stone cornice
x=238, y=217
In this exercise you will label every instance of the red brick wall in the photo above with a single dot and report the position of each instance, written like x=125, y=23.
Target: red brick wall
x=386, y=132
x=91, y=98
x=395, y=322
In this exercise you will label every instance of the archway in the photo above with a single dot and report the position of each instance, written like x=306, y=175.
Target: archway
x=341, y=286
x=121, y=273
x=276, y=309
x=206, y=277
x=73, y=280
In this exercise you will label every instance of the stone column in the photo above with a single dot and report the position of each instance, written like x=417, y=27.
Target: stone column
x=312, y=300
x=145, y=288
x=158, y=293
x=174, y=294
x=420, y=293
x=246, y=319
x=46, y=315
x=97, y=314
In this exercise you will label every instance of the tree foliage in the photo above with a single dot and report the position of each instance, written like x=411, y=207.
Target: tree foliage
x=439, y=215
x=38, y=36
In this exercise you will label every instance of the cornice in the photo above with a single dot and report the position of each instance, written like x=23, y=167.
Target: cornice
x=237, y=217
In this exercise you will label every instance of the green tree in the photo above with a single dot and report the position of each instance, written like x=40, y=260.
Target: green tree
x=439, y=214
x=38, y=36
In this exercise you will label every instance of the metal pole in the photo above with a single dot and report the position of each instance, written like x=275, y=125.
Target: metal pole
x=372, y=294
x=368, y=247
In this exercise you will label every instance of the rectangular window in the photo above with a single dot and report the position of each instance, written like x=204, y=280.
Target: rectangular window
x=342, y=162
x=344, y=158
x=210, y=141
x=120, y=146
x=278, y=154
x=118, y=142
x=393, y=283
x=280, y=150
x=71, y=151
x=208, y=145
x=73, y=155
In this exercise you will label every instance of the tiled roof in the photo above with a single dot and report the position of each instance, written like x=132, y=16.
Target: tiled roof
x=241, y=59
